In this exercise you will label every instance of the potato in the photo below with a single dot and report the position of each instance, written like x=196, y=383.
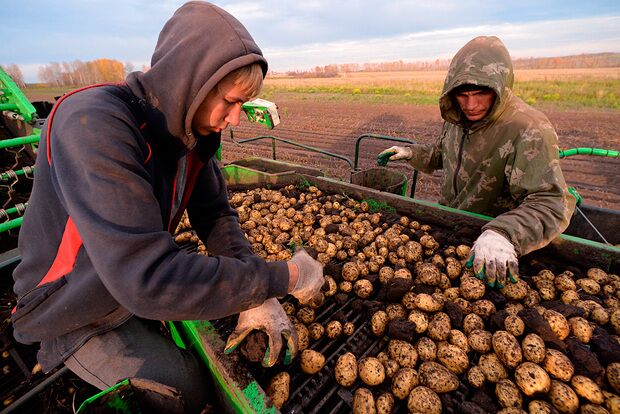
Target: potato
x=311, y=361
x=395, y=310
x=379, y=322
x=459, y=339
x=483, y=308
x=581, y=329
x=364, y=402
x=385, y=403
x=480, y=341
x=589, y=286
x=558, y=365
x=371, y=371
x=540, y=407
x=492, y=367
x=475, y=377
x=345, y=286
x=348, y=328
x=592, y=409
x=391, y=367
x=613, y=376
x=472, y=322
x=563, y=397
x=420, y=319
x=386, y=273
x=306, y=315
x=507, y=349
x=453, y=358
x=333, y=329
x=404, y=381
x=534, y=349
x=316, y=330
x=558, y=323
x=439, y=327
x=427, y=349
x=403, y=352
x=586, y=388
x=424, y=400
x=428, y=274
x=427, y=303
x=363, y=288
x=403, y=273
x=346, y=369
x=472, y=288
x=350, y=271
x=612, y=402
x=598, y=275
x=437, y=377
x=303, y=336
x=508, y=394
x=532, y=379
x=515, y=291
x=462, y=251
x=514, y=325
x=278, y=389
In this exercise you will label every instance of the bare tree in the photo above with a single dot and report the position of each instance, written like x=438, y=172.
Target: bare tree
x=15, y=73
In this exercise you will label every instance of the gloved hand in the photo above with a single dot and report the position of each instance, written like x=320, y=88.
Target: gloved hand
x=491, y=256
x=394, y=153
x=310, y=278
x=271, y=319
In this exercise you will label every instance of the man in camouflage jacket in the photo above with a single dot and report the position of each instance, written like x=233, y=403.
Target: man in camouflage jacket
x=499, y=157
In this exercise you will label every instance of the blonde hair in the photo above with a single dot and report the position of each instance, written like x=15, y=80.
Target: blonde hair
x=249, y=78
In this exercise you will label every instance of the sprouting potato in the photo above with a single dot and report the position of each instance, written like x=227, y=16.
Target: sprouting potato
x=346, y=369
x=311, y=361
x=363, y=402
x=371, y=371
x=278, y=389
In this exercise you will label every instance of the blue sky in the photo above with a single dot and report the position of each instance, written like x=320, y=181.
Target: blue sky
x=304, y=34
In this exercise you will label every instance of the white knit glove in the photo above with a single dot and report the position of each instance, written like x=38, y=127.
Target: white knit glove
x=491, y=256
x=397, y=153
x=310, y=278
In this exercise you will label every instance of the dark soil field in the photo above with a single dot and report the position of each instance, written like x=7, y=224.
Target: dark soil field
x=334, y=127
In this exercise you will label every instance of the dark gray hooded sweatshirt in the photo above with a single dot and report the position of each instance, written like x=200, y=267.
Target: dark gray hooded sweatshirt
x=117, y=166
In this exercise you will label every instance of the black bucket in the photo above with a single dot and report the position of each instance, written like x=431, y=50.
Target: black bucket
x=381, y=179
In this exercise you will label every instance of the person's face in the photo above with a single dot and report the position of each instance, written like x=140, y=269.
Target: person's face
x=476, y=104
x=221, y=107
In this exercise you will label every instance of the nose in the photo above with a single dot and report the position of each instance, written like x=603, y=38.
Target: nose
x=234, y=115
x=470, y=103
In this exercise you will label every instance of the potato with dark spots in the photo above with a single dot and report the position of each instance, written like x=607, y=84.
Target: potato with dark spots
x=333, y=329
x=303, y=336
x=532, y=379
x=364, y=402
x=316, y=331
x=363, y=288
x=278, y=389
x=402, y=352
x=427, y=303
x=475, y=377
x=419, y=319
x=472, y=288
x=492, y=367
x=423, y=400
x=558, y=323
x=439, y=327
x=558, y=365
x=379, y=322
x=346, y=369
x=403, y=381
x=437, y=377
x=508, y=394
x=587, y=389
x=385, y=403
x=426, y=348
x=534, y=349
x=507, y=349
x=311, y=361
x=453, y=358
x=480, y=341
x=563, y=397
x=371, y=371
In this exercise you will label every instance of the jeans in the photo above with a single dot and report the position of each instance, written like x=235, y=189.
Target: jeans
x=138, y=349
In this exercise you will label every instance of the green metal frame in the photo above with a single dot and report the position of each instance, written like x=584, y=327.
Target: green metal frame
x=589, y=151
x=13, y=99
x=414, y=177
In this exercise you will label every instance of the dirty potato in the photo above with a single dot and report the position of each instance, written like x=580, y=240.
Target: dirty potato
x=437, y=377
x=453, y=358
x=507, y=348
x=403, y=352
x=363, y=288
x=346, y=369
x=419, y=319
x=508, y=394
x=424, y=400
x=558, y=365
x=316, y=330
x=311, y=361
x=558, y=323
x=363, y=402
x=563, y=397
x=492, y=367
x=534, y=349
x=278, y=389
x=404, y=381
x=371, y=371
x=303, y=336
x=385, y=403
x=581, y=329
x=532, y=379
x=587, y=389
x=333, y=329
x=379, y=322
x=480, y=341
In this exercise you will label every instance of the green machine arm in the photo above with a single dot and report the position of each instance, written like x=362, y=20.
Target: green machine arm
x=12, y=99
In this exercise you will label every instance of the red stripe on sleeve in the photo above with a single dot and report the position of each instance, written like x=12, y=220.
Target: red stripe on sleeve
x=67, y=253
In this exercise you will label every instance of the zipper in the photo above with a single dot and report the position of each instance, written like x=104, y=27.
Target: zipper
x=458, y=164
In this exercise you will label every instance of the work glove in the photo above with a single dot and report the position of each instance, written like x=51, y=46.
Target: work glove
x=394, y=154
x=271, y=319
x=310, y=278
x=492, y=257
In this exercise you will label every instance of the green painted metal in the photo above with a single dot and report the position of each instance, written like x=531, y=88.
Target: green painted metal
x=14, y=142
x=589, y=151
x=414, y=176
x=14, y=223
x=275, y=139
x=9, y=175
x=13, y=99
x=250, y=398
x=117, y=403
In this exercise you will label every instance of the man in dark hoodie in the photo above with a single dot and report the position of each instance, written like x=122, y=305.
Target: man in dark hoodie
x=500, y=157
x=117, y=166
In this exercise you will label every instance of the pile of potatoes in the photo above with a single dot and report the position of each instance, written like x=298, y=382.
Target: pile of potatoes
x=548, y=343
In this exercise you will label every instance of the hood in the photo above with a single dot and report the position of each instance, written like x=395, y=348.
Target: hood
x=483, y=61
x=197, y=47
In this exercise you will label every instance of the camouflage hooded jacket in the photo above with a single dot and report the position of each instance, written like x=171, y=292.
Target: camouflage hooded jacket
x=505, y=165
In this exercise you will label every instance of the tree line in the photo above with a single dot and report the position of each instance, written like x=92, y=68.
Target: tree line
x=78, y=72
x=594, y=60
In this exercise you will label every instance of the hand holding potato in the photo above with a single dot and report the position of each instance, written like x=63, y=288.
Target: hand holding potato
x=492, y=256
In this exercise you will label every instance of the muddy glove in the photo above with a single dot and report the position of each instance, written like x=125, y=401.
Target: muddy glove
x=271, y=319
x=310, y=278
x=394, y=154
x=492, y=256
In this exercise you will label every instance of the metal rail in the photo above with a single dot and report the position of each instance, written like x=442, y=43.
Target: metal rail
x=414, y=176
x=295, y=144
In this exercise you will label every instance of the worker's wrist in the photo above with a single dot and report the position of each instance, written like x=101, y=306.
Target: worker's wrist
x=293, y=276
